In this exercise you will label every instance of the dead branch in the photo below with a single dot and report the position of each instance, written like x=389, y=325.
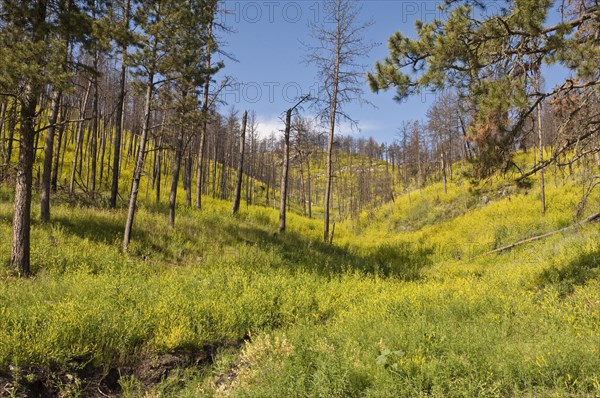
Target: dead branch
x=592, y=218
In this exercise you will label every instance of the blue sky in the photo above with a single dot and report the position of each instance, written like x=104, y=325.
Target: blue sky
x=271, y=73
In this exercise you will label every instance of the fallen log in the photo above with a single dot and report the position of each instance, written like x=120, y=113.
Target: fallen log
x=592, y=218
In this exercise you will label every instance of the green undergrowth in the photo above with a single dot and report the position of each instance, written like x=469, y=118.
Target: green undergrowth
x=493, y=327
x=405, y=303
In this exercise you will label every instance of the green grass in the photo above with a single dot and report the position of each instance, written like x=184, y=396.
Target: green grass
x=400, y=306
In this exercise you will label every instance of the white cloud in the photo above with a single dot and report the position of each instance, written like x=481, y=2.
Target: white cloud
x=269, y=125
x=274, y=124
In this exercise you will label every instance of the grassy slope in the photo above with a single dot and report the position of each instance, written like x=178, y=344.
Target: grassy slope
x=397, y=307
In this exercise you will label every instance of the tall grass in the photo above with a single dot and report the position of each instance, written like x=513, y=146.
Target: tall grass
x=403, y=303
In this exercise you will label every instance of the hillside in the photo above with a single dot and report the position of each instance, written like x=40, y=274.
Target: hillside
x=405, y=302
x=205, y=198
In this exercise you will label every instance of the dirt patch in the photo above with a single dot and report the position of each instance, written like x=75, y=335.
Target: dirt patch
x=98, y=382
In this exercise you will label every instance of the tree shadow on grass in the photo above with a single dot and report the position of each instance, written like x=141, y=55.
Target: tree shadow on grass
x=97, y=229
x=577, y=272
x=106, y=231
x=403, y=260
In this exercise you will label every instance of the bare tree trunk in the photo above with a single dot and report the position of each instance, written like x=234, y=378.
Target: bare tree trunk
x=158, y=170
x=240, y=171
x=107, y=142
x=20, y=251
x=188, y=179
x=139, y=164
x=175, y=179
x=206, y=169
x=450, y=159
x=79, y=142
x=541, y=144
x=64, y=149
x=58, y=153
x=467, y=147
x=3, y=156
x=214, y=170
x=154, y=162
x=328, y=176
x=351, y=196
x=95, y=116
x=130, y=147
x=224, y=172
x=106, y=139
x=253, y=164
x=332, y=117
x=284, y=170
x=303, y=188
x=420, y=178
x=37, y=127
x=250, y=172
x=444, y=172
x=12, y=122
x=201, y=144
x=119, y=118
x=268, y=178
x=248, y=178
x=49, y=147
x=202, y=141
x=274, y=179
x=309, y=188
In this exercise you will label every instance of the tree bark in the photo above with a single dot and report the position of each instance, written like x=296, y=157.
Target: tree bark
x=332, y=117
x=188, y=179
x=79, y=142
x=57, y=153
x=21, y=225
x=12, y=122
x=284, y=171
x=201, y=145
x=175, y=178
x=214, y=168
x=224, y=173
x=139, y=164
x=202, y=141
x=240, y=171
x=20, y=251
x=466, y=146
x=303, y=189
x=328, y=176
x=106, y=130
x=541, y=144
x=3, y=161
x=49, y=147
x=119, y=118
x=268, y=179
x=444, y=177
x=94, y=140
x=253, y=164
x=308, y=187
x=158, y=170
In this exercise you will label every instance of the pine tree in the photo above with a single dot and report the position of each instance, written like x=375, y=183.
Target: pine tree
x=32, y=54
x=492, y=62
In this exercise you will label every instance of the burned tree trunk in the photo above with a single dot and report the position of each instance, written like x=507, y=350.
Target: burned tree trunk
x=285, y=170
x=49, y=147
x=240, y=171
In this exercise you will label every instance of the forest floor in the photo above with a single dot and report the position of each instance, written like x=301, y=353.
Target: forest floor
x=405, y=303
